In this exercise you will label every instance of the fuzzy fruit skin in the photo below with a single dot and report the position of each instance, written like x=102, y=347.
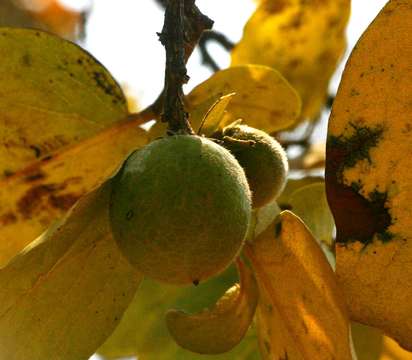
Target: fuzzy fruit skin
x=264, y=161
x=180, y=209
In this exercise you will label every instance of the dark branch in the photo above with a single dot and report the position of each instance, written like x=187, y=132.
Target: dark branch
x=221, y=39
x=183, y=26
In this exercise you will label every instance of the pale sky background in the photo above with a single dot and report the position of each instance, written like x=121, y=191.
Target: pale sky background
x=122, y=35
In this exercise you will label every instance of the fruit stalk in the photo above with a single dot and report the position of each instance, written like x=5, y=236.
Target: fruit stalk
x=182, y=28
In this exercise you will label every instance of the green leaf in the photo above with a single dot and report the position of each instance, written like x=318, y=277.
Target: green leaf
x=52, y=94
x=143, y=332
x=65, y=293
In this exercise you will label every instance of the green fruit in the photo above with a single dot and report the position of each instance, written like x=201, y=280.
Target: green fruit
x=263, y=159
x=180, y=209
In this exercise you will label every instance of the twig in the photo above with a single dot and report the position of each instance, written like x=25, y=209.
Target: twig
x=183, y=26
x=218, y=37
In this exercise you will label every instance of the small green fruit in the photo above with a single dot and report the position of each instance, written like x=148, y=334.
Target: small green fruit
x=180, y=209
x=263, y=159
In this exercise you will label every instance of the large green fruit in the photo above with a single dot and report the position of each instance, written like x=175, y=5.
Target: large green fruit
x=263, y=159
x=180, y=209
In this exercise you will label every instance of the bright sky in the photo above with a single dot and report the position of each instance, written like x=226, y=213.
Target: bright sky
x=122, y=35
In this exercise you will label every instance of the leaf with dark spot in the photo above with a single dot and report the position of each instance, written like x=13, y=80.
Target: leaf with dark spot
x=369, y=178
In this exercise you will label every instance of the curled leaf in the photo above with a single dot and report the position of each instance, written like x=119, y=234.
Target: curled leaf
x=147, y=311
x=66, y=292
x=303, y=40
x=368, y=177
x=219, y=329
x=299, y=283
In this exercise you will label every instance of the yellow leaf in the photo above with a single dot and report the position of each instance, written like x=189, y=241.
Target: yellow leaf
x=274, y=339
x=303, y=40
x=52, y=94
x=392, y=351
x=66, y=292
x=219, y=329
x=34, y=197
x=368, y=177
x=264, y=99
x=299, y=283
x=213, y=119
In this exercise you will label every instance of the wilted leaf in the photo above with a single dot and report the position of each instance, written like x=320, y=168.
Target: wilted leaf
x=143, y=332
x=219, y=329
x=52, y=94
x=264, y=99
x=65, y=293
x=310, y=204
x=303, y=40
x=368, y=177
x=34, y=197
x=299, y=283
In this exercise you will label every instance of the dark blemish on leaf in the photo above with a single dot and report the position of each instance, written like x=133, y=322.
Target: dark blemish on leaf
x=347, y=151
x=71, y=75
x=31, y=201
x=36, y=149
x=37, y=34
x=34, y=176
x=47, y=158
x=278, y=228
x=129, y=215
x=196, y=282
x=43, y=197
x=8, y=219
x=354, y=92
x=358, y=217
x=80, y=61
x=63, y=202
x=284, y=206
x=26, y=60
x=105, y=84
x=8, y=173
